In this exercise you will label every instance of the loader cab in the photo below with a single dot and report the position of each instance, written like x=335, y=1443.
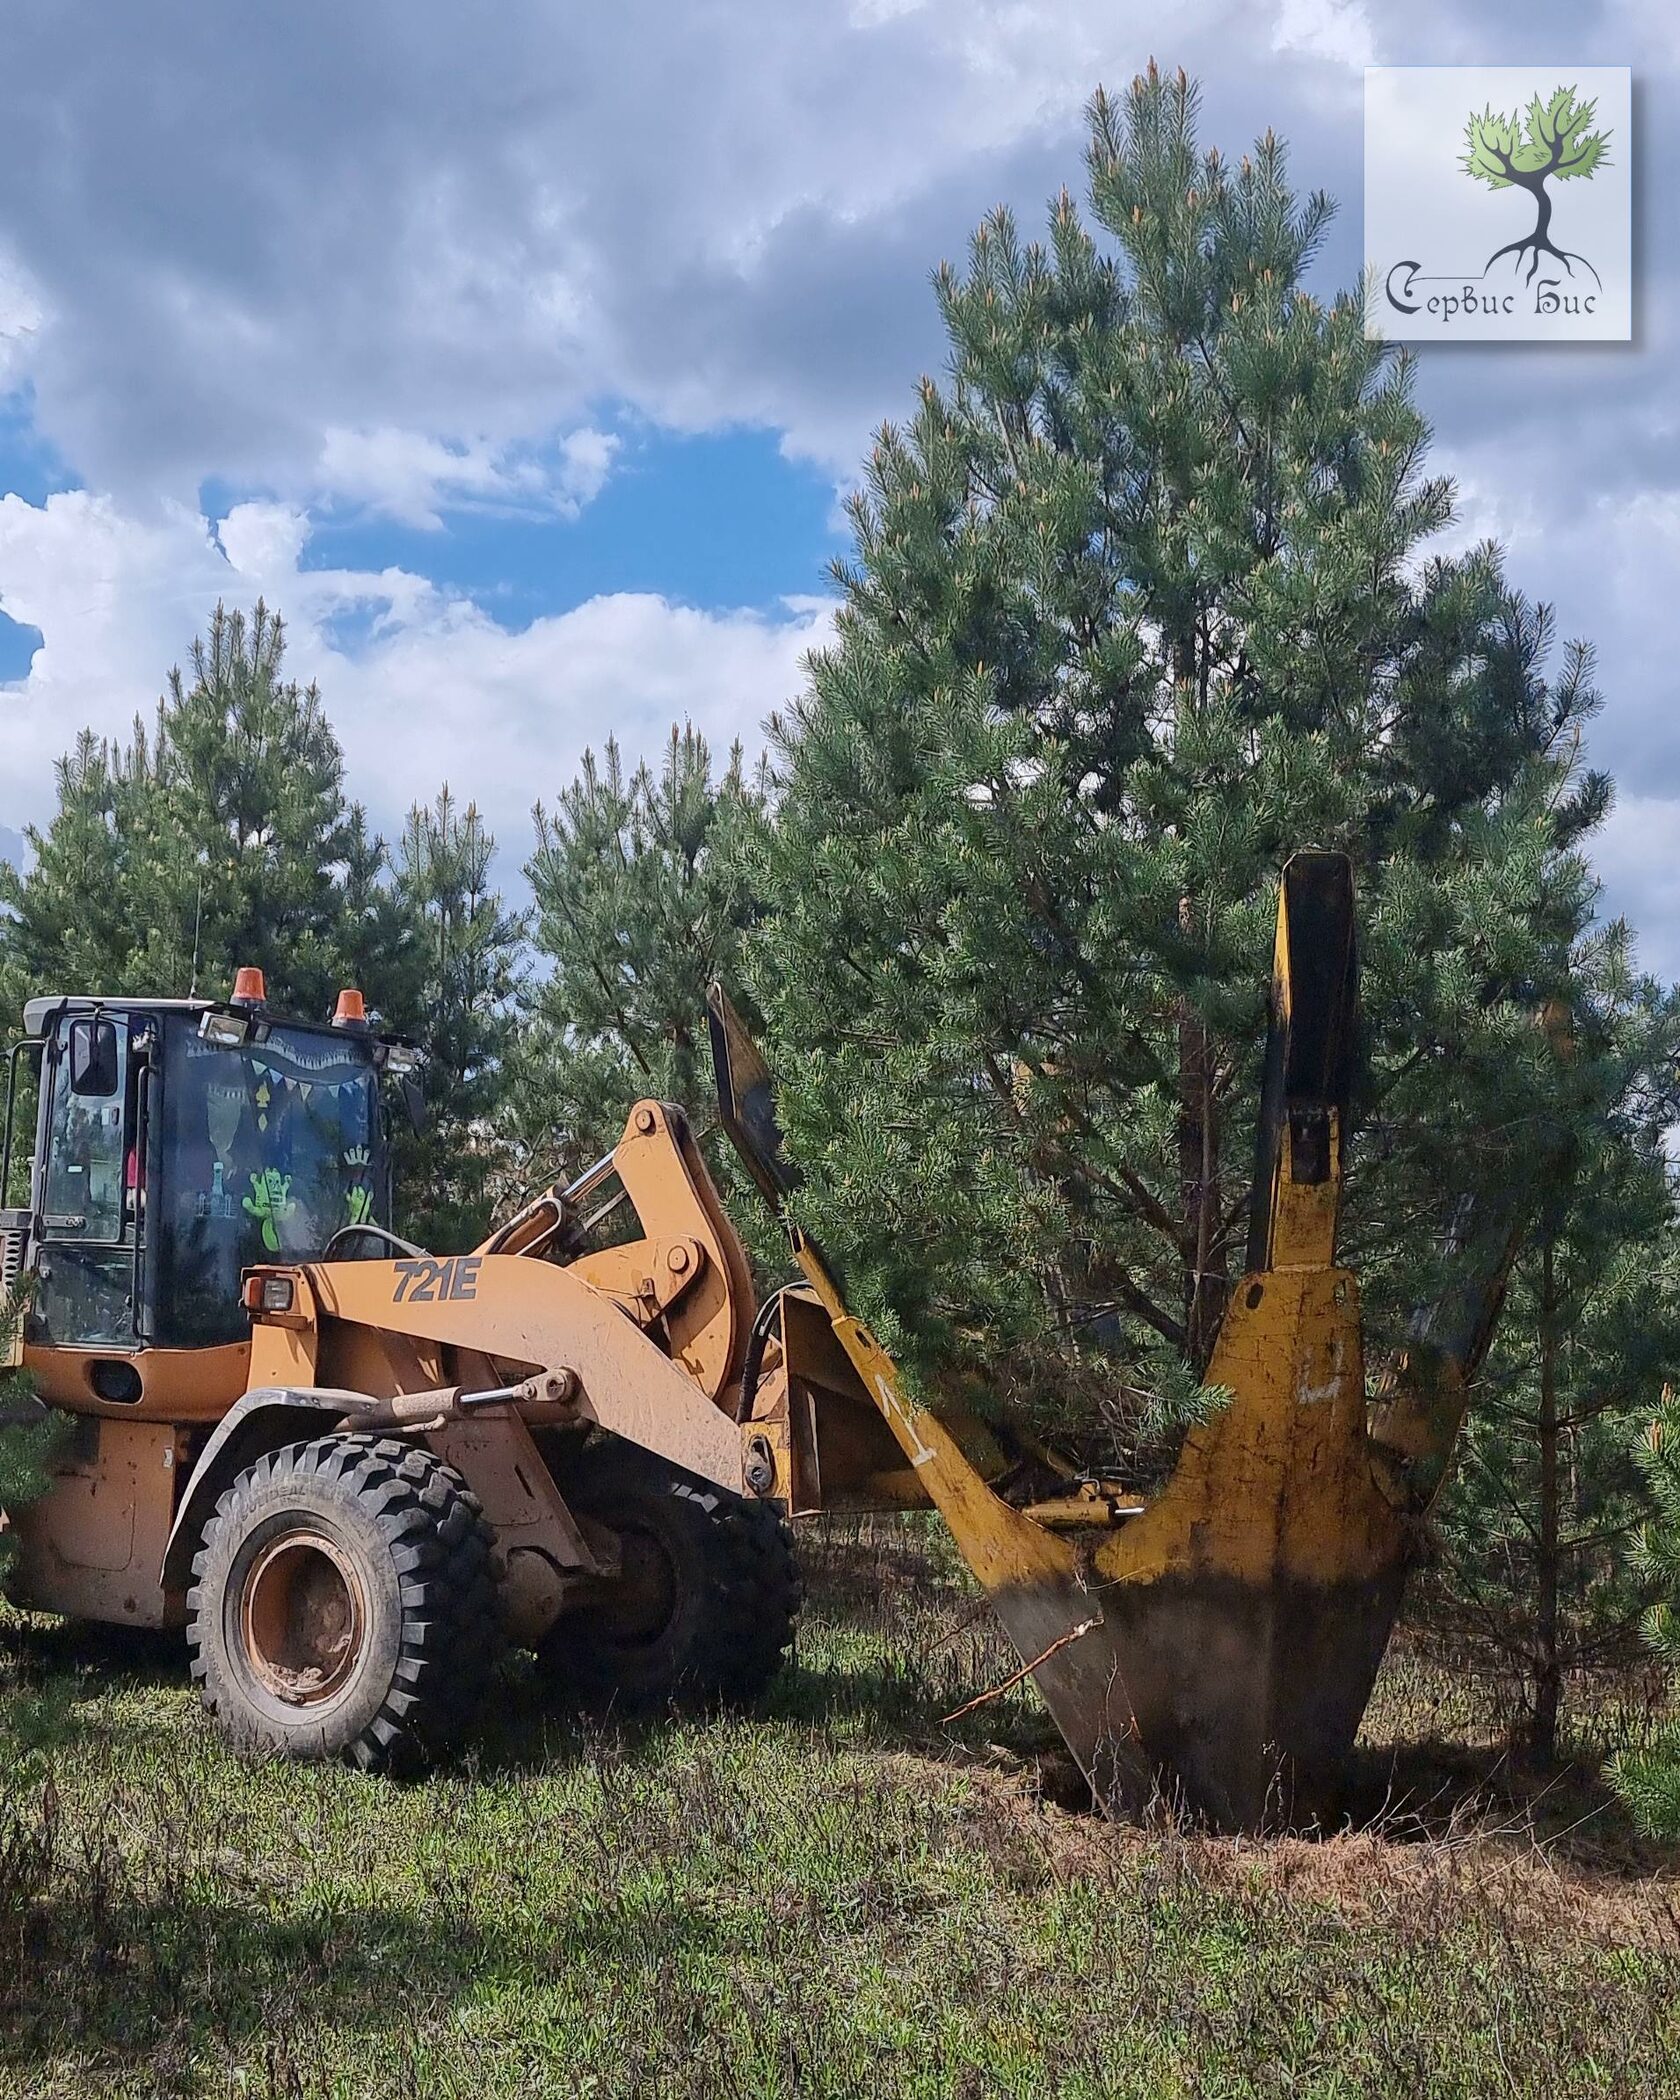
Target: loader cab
x=177, y=1143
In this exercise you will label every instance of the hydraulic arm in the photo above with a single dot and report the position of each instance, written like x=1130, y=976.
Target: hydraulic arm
x=1221, y=1639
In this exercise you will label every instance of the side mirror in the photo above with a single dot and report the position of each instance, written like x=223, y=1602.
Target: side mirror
x=414, y=1101
x=93, y=1057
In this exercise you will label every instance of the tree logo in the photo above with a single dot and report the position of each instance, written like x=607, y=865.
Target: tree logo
x=1552, y=141
x=1499, y=203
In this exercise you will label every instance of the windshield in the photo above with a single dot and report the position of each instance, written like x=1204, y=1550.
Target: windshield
x=267, y=1150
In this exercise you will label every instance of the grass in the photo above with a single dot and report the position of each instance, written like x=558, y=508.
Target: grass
x=840, y=1895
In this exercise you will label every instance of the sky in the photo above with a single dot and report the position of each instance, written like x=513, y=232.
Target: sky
x=521, y=355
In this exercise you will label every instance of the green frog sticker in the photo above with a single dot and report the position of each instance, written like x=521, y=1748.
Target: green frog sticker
x=271, y=1201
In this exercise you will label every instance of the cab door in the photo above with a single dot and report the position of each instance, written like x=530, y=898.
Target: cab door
x=91, y=1189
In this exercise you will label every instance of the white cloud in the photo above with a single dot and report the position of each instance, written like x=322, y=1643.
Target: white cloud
x=413, y=478
x=1635, y=854
x=429, y=688
x=1333, y=29
x=505, y=716
x=20, y=318
x=113, y=596
x=395, y=250
x=586, y=458
x=264, y=541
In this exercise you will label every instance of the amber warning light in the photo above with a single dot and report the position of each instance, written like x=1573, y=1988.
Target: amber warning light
x=267, y=1293
x=248, y=987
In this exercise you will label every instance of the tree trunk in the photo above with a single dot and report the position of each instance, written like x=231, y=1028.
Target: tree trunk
x=1198, y=1173
x=1198, y=1107
x=1548, y=1681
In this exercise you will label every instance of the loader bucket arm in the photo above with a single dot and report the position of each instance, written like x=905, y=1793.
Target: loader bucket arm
x=1221, y=1640
x=1254, y=1596
x=686, y=1274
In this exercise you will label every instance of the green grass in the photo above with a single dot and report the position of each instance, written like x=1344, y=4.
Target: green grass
x=840, y=1895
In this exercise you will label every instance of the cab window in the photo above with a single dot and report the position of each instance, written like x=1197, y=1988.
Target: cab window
x=268, y=1151
x=86, y=1189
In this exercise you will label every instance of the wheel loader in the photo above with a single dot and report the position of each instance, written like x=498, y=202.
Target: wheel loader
x=352, y=1468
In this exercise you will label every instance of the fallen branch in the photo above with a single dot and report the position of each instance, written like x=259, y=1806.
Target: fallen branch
x=1009, y=1683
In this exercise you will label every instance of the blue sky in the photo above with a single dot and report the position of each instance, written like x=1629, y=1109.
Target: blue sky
x=521, y=356
x=717, y=520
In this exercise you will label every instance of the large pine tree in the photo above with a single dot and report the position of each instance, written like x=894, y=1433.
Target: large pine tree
x=221, y=836
x=1141, y=600
x=639, y=897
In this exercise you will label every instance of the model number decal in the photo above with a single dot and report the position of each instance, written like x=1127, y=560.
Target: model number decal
x=429, y=1282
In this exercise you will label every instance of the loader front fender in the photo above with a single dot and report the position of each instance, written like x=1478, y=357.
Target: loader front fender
x=260, y=1421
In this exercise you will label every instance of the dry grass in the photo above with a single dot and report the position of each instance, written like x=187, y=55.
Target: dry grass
x=839, y=1896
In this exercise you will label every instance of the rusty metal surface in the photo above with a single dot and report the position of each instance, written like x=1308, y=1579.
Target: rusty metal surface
x=302, y=1613
x=1220, y=1646
x=1254, y=1596
x=92, y=1546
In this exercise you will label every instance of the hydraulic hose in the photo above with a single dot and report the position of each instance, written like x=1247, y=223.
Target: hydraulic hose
x=752, y=1361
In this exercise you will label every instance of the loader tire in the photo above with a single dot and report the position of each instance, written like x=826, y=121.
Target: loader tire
x=343, y=1605
x=703, y=1612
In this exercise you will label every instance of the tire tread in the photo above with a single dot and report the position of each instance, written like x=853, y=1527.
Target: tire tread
x=747, y=1593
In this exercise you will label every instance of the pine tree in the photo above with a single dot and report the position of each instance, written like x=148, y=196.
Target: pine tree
x=1648, y=1778
x=222, y=836
x=249, y=774
x=66, y=916
x=25, y=1446
x=1141, y=600
x=1541, y=1523
x=466, y=945
x=377, y=937
x=639, y=904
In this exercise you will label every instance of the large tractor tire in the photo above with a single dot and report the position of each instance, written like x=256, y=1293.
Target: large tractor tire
x=343, y=1605
x=702, y=1611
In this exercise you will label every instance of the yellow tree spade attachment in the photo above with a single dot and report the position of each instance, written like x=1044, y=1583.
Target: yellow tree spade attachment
x=1218, y=1642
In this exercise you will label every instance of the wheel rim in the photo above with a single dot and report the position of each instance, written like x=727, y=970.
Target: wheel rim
x=643, y=1598
x=301, y=1614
